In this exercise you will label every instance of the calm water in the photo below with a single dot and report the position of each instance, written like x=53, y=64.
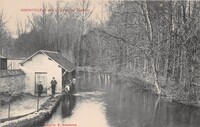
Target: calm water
x=103, y=101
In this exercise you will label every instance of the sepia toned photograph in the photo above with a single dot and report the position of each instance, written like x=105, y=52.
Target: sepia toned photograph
x=100, y=63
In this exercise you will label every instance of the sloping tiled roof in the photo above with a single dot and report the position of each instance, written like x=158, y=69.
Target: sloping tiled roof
x=57, y=57
x=61, y=60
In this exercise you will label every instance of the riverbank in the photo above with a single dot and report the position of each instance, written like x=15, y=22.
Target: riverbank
x=170, y=90
x=92, y=69
x=44, y=112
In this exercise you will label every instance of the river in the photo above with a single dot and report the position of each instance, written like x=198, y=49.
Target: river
x=101, y=100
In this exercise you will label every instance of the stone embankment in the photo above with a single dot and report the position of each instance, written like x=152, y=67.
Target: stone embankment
x=37, y=117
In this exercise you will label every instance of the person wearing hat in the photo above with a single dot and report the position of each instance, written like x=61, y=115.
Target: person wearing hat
x=40, y=88
x=53, y=85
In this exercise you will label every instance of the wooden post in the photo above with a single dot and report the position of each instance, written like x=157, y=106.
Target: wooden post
x=9, y=109
x=37, y=103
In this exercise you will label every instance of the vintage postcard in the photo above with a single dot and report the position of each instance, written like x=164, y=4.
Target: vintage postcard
x=99, y=63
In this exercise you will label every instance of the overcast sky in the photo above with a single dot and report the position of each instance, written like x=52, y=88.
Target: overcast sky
x=12, y=9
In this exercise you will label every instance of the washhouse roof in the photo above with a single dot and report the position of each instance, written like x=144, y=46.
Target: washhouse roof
x=57, y=57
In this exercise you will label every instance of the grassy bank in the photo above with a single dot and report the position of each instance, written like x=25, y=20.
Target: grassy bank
x=169, y=90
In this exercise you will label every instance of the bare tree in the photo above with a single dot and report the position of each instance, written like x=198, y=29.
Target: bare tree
x=4, y=34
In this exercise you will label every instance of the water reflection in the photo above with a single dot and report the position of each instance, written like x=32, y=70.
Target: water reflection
x=145, y=110
x=68, y=102
x=102, y=100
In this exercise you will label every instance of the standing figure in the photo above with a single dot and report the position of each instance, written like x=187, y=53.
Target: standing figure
x=40, y=88
x=67, y=88
x=53, y=85
x=73, y=80
x=73, y=84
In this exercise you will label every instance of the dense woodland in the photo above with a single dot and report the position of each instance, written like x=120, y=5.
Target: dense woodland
x=158, y=40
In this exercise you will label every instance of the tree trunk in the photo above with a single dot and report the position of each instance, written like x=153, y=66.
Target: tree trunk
x=166, y=68
x=150, y=36
x=145, y=68
x=135, y=64
x=155, y=74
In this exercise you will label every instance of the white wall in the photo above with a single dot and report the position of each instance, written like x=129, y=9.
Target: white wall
x=41, y=63
x=13, y=64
